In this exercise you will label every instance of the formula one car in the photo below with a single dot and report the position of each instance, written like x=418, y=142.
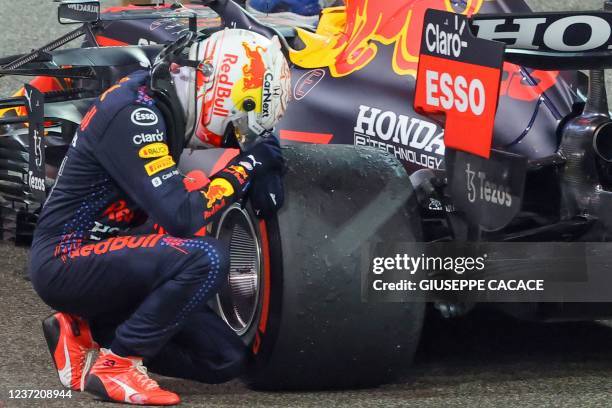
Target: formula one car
x=365, y=168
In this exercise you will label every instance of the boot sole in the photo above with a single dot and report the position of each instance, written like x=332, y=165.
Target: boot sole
x=51, y=331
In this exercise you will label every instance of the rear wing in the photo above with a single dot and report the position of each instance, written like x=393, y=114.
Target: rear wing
x=90, y=12
x=551, y=41
x=459, y=74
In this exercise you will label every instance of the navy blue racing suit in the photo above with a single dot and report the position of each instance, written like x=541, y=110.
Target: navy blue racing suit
x=143, y=293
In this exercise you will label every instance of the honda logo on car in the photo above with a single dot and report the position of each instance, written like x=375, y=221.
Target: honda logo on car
x=412, y=140
x=144, y=117
x=553, y=32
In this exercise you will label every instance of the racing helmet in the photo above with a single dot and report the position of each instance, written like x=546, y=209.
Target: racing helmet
x=241, y=85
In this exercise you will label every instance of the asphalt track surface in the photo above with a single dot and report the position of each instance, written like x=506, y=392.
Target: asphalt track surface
x=483, y=360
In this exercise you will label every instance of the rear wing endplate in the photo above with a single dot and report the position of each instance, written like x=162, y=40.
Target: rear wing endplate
x=36, y=166
x=34, y=104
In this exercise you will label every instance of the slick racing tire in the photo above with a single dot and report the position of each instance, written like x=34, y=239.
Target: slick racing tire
x=294, y=289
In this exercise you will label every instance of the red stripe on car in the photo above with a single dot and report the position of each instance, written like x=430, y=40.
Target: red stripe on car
x=306, y=137
x=222, y=161
x=109, y=42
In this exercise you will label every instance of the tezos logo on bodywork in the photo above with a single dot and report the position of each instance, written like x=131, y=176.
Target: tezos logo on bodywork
x=479, y=188
x=36, y=183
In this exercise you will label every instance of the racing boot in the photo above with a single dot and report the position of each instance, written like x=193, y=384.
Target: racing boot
x=72, y=348
x=125, y=379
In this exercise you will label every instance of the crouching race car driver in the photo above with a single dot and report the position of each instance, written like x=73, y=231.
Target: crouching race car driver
x=143, y=295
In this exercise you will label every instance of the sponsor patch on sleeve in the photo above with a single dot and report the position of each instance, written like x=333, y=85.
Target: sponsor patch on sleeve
x=239, y=172
x=144, y=117
x=217, y=190
x=157, y=165
x=154, y=150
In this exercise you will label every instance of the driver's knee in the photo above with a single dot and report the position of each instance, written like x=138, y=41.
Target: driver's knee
x=203, y=260
x=220, y=365
x=223, y=368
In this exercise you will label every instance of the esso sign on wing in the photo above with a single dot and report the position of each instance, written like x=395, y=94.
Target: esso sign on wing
x=450, y=92
x=458, y=78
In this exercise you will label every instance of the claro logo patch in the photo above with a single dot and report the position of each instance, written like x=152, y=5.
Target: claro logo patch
x=144, y=117
x=148, y=137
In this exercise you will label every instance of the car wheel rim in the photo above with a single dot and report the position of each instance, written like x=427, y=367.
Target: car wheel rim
x=238, y=298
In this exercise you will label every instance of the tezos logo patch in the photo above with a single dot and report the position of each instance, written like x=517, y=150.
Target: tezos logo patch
x=36, y=183
x=479, y=188
x=144, y=117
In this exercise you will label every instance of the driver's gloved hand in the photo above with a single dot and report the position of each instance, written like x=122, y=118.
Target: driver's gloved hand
x=263, y=158
x=267, y=194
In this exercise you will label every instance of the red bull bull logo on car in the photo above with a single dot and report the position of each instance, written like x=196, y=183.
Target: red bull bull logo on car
x=346, y=38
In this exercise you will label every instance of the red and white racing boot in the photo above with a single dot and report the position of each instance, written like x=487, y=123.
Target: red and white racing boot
x=71, y=346
x=125, y=379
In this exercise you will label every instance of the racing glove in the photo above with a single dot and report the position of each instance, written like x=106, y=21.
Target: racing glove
x=266, y=156
x=267, y=194
x=263, y=158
